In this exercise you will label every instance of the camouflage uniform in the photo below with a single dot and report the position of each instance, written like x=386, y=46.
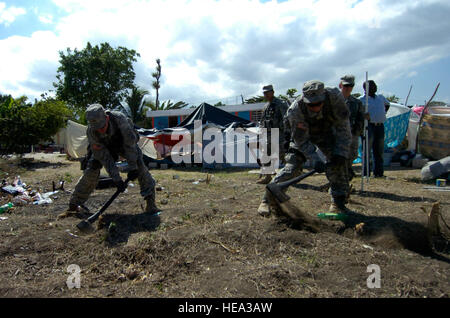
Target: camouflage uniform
x=356, y=109
x=120, y=139
x=329, y=129
x=273, y=117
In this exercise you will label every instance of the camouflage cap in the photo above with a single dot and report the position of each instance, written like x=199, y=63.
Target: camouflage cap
x=96, y=116
x=348, y=80
x=268, y=88
x=313, y=92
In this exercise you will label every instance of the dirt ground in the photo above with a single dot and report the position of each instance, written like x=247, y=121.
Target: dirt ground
x=210, y=242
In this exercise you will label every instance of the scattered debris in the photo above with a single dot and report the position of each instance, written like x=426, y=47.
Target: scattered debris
x=6, y=207
x=14, y=190
x=71, y=234
x=229, y=249
x=2, y=218
x=368, y=247
x=359, y=228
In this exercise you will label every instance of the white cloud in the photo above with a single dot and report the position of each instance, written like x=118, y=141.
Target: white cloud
x=46, y=19
x=9, y=14
x=212, y=49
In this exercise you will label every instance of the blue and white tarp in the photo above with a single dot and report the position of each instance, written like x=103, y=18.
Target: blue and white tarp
x=395, y=127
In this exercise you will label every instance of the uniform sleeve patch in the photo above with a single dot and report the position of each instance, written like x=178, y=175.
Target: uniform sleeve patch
x=96, y=146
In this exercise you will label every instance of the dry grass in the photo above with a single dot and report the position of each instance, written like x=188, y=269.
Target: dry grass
x=210, y=242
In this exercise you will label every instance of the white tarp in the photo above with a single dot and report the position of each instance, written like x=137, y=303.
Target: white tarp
x=73, y=138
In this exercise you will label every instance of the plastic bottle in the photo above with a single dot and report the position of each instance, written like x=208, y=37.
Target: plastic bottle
x=6, y=207
x=332, y=216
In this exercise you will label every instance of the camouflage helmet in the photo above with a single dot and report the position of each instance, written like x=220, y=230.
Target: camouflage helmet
x=348, y=80
x=96, y=116
x=313, y=92
x=267, y=88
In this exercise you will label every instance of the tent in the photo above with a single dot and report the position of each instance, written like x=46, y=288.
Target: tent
x=73, y=139
x=212, y=115
x=187, y=132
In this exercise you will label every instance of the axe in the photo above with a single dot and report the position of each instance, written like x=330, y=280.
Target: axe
x=276, y=189
x=85, y=226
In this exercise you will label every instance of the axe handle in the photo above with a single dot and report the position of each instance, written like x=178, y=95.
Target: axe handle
x=95, y=216
x=285, y=184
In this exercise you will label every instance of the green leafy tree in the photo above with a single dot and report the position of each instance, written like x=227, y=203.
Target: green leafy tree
x=134, y=105
x=4, y=98
x=219, y=104
x=156, y=83
x=23, y=124
x=96, y=74
x=291, y=92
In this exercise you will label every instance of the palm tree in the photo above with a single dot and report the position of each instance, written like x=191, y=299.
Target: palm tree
x=156, y=84
x=166, y=105
x=134, y=104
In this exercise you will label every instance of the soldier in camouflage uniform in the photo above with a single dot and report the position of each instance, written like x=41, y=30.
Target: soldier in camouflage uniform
x=318, y=117
x=356, y=109
x=272, y=117
x=111, y=134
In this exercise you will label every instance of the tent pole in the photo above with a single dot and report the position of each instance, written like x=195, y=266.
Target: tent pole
x=406, y=102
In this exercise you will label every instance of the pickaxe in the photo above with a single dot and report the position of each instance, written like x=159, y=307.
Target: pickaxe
x=276, y=189
x=85, y=226
x=282, y=200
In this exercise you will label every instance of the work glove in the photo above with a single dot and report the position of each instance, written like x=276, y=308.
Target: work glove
x=121, y=186
x=337, y=160
x=133, y=174
x=319, y=166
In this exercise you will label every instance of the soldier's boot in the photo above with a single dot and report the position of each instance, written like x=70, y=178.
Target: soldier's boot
x=265, y=180
x=151, y=207
x=350, y=190
x=264, y=209
x=73, y=210
x=338, y=205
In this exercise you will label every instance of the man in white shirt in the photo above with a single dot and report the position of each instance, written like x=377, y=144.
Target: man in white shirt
x=377, y=109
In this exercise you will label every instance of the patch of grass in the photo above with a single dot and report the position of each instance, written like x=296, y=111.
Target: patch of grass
x=309, y=259
x=186, y=217
x=67, y=177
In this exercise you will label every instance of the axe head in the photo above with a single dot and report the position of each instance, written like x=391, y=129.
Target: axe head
x=85, y=227
x=277, y=192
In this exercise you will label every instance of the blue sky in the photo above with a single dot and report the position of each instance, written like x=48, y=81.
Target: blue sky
x=217, y=50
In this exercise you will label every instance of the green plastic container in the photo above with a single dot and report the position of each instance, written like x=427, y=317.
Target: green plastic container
x=6, y=207
x=332, y=216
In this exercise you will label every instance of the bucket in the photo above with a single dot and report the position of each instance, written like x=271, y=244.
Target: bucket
x=387, y=158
